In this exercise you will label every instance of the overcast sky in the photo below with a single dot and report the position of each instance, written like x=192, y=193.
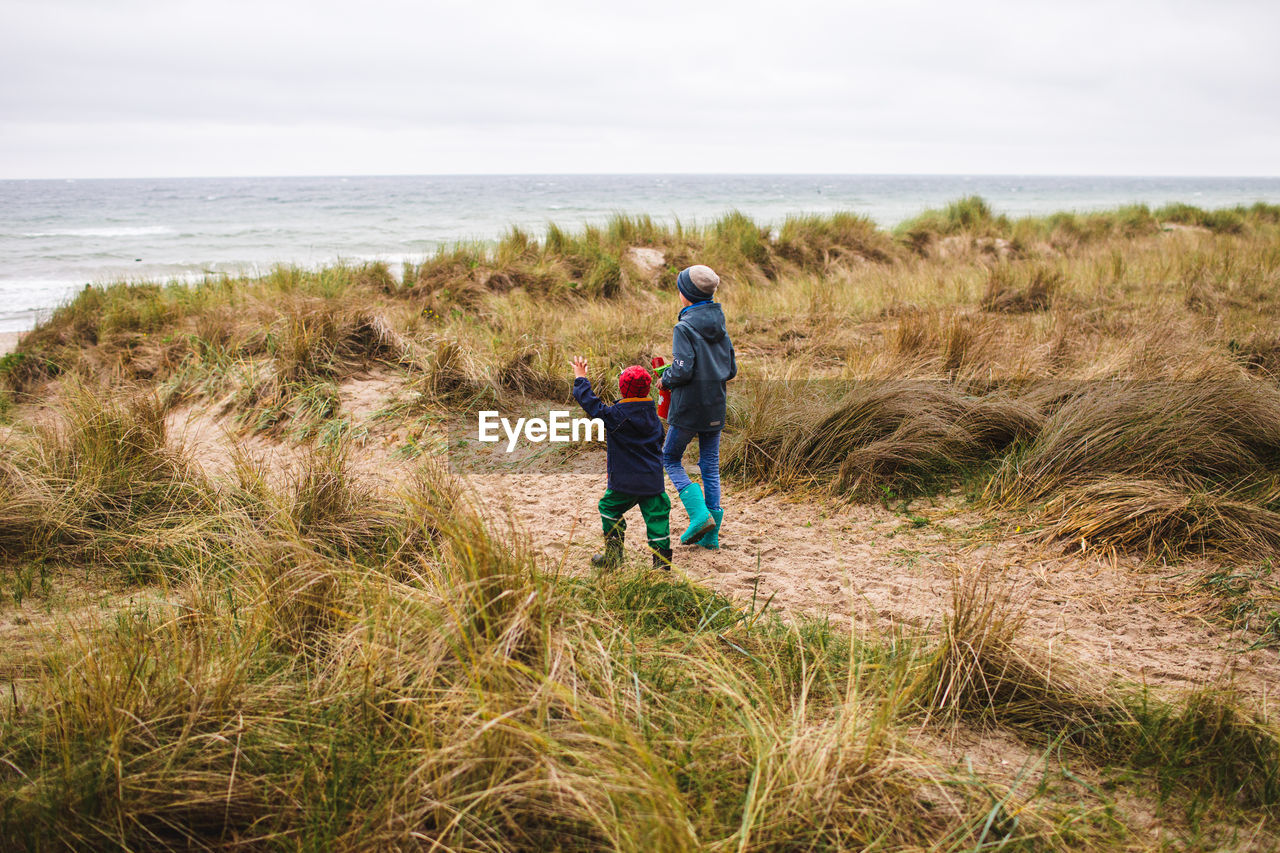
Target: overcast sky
x=123, y=88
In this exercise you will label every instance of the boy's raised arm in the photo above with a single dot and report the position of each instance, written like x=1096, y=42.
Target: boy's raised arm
x=582, y=392
x=587, y=398
x=681, y=369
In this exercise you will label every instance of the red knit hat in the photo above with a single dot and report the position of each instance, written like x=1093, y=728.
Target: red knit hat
x=634, y=382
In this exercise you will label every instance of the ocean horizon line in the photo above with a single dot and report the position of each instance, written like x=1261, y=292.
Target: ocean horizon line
x=769, y=174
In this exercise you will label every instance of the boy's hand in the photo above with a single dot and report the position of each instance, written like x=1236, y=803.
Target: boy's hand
x=579, y=367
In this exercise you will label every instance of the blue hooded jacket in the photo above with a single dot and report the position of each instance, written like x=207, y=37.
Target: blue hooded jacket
x=633, y=436
x=702, y=361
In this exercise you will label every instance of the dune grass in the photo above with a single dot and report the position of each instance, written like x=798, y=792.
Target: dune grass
x=316, y=686
x=1156, y=467
x=338, y=667
x=880, y=437
x=1205, y=743
x=101, y=485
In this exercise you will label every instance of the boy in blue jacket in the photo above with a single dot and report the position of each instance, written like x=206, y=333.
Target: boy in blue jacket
x=633, y=436
x=702, y=362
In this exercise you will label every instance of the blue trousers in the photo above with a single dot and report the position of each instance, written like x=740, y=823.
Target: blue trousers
x=708, y=461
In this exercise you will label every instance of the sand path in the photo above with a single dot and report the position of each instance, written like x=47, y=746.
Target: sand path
x=872, y=568
x=8, y=341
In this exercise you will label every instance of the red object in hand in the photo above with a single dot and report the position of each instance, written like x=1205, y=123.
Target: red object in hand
x=664, y=396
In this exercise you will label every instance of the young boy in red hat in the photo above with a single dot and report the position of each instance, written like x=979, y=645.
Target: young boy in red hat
x=633, y=436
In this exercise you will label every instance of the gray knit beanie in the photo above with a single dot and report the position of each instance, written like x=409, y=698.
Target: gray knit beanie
x=697, y=282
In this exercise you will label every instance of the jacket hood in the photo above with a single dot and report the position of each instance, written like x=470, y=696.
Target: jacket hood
x=638, y=418
x=706, y=319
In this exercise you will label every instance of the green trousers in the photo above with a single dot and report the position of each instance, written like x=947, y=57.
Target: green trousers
x=656, y=510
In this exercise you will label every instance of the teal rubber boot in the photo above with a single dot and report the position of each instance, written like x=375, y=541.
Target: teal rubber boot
x=700, y=520
x=711, y=539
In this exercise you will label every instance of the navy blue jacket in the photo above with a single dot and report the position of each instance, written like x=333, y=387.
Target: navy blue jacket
x=633, y=436
x=702, y=361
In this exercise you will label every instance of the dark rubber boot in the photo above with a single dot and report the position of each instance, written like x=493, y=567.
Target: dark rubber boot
x=612, y=556
x=662, y=558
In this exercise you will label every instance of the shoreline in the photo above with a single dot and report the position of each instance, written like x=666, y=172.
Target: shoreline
x=410, y=220
x=9, y=341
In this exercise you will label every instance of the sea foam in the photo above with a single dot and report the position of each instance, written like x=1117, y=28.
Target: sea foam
x=107, y=231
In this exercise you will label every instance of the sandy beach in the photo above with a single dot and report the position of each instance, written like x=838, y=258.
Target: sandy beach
x=8, y=340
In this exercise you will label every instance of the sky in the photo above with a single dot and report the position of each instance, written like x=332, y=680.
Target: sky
x=138, y=88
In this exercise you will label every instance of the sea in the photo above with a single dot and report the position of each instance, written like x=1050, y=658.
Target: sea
x=56, y=236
